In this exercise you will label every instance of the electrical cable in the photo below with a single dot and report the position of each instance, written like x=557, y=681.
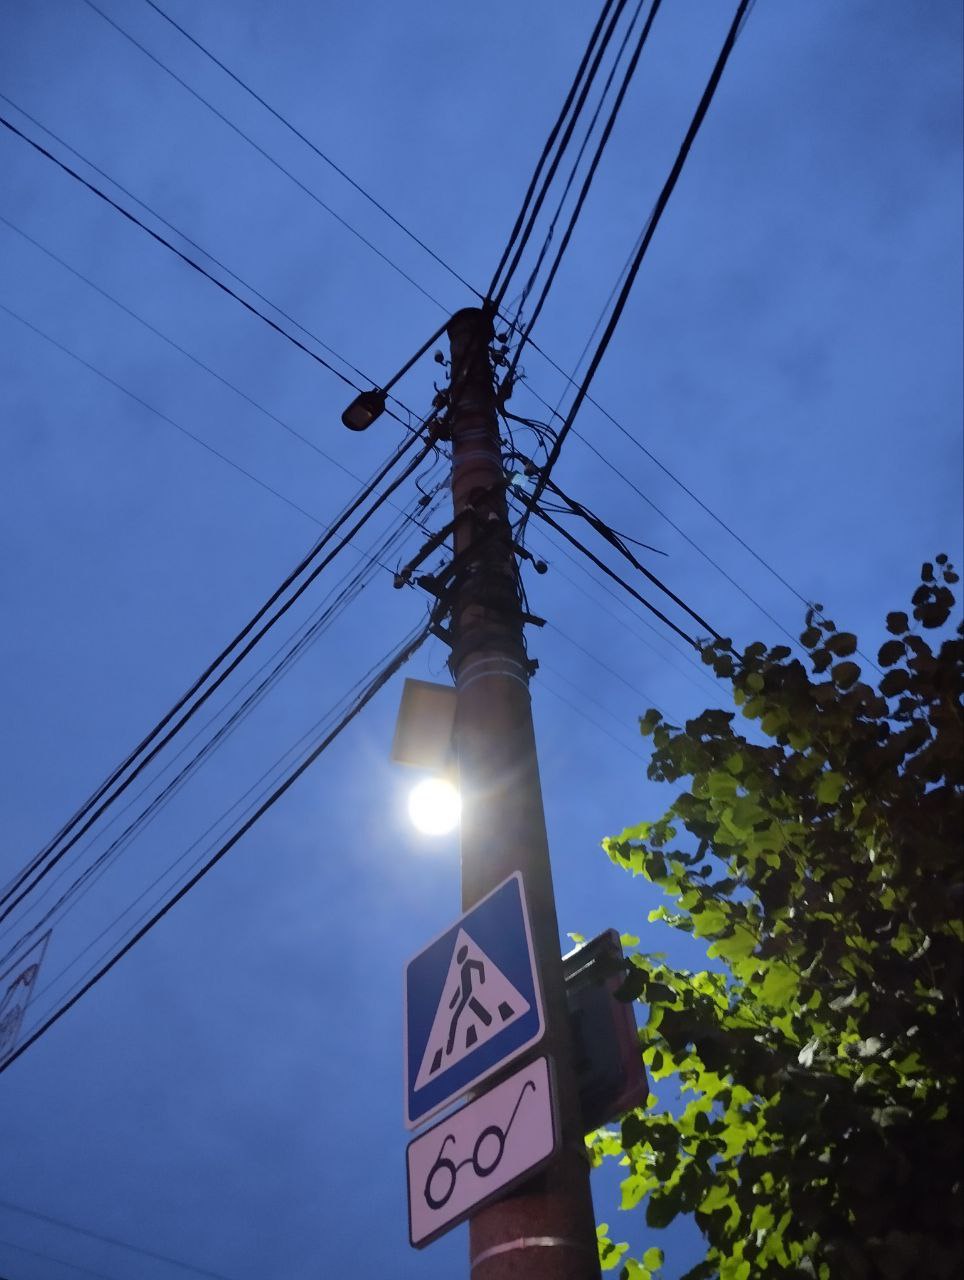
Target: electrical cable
x=185, y=431
x=654, y=220
x=555, y=412
x=198, y=362
x=259, y=789
x=245, y=631
x=562, y=148
x=196, y=266
x=544, y=156
x=570, y=380
x=615, y=541
x=547, y=239
x=315, y=148
x=627, y=607
x=590, y=175
x=389, y=668
x=611, y=573
x=292, y=650
x=266, y=154
x=559, y=510
x=61, y=1262
x=113, y=1240
x=585, y=715
x=611, y=466
x=177, y=347
x=222, y=266
x=647, y=698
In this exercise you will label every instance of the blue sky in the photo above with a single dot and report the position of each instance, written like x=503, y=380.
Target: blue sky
x=231, y=1093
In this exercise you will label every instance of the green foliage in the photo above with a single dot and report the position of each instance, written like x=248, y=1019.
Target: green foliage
x=821, y=1127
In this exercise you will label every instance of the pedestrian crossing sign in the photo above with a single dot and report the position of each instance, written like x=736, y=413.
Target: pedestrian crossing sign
x=472, y=1002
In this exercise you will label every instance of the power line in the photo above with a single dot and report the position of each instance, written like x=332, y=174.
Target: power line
x=266, y=154
x=570, y=380
x=585, y=714
x=222, y=266
x=291, y=651
x=105, y=1239
x=177, y=347
x=196, y=266
x=61, y=1262
x=669, y=520
x=315, y=148
x=258, y=789
x=390, y=667
x=316, y=546
x=611, y=573
x=594, y=165
x=245, y=631
x=647, y=698
x=550, y=232
x=517, y=237
x=185, y=431
x=654, y=220
x=718, y=519
x=615, y=541
x=624, y=603
x=196, y=361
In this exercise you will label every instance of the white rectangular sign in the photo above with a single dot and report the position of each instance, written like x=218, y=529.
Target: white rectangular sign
x=491, y=1144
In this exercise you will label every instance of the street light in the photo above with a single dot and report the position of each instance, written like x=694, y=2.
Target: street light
x=435, y=806
x=423, y=740
x=369, y=405
x=363, y=410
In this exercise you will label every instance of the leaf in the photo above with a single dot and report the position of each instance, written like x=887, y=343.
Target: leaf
x=891, y=651
x=609, y=1253
x=842, y=643
x=777, y=986
x=719, y=1196
x=653, y=1259
x=894, y=682
x=633, y=1270
x=735, y=1269
x=627, y=939
x=662, y=1209
x=807, y=1052
x=709, y=920
x=844, y=674
x=633, y=1190
x=648, y=722
x=830, y=786
x=736, y=947
x=806, y=1055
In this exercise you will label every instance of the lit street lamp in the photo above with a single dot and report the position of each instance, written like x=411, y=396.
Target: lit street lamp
x=435, y=806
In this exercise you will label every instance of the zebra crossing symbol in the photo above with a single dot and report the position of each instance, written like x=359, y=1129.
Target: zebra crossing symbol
x=477, y=1001
x=472, y=1002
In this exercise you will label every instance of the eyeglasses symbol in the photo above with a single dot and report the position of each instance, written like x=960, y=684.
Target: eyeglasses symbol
x=485, y=1158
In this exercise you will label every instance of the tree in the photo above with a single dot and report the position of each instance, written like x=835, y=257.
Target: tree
x=819, y=1058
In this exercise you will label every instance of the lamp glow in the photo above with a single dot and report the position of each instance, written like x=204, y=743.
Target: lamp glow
x=435, y=806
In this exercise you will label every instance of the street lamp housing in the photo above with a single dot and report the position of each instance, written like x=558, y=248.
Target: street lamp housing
x=363, y=410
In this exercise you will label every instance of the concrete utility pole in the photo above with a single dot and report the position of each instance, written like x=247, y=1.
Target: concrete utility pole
x=544, y=1230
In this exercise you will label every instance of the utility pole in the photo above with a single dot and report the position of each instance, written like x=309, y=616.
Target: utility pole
x=545, y=1229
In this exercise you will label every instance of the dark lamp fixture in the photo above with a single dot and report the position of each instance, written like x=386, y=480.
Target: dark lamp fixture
x=363, y=410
